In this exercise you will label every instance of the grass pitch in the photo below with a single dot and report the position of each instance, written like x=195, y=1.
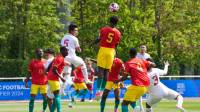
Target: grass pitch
x=191, y=105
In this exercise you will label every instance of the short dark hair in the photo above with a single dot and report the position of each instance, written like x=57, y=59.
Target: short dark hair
x=49, y=50
x=150, y=59
x=62, y=48
x=132, y=52
x=114, y=20
x=71, y=27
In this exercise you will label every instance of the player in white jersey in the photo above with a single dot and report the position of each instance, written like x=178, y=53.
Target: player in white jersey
x=71, y=42
x=158, y=91
x=142, y=55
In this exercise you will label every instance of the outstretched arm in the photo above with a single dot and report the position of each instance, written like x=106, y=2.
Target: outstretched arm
x=164, y=72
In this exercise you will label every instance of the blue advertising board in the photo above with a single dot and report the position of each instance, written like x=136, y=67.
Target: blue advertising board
x=15, y=90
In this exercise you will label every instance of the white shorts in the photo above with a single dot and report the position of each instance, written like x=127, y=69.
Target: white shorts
x=67, y=70
x=68, y=79
x=49, y=93
x=160, y=91
x=75, y=60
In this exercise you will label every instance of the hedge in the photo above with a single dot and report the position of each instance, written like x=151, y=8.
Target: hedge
x=13, y=67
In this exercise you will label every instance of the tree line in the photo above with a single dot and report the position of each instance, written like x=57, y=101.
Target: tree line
x=169, y=28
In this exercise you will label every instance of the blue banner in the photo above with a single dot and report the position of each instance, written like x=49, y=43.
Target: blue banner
x=15, y=90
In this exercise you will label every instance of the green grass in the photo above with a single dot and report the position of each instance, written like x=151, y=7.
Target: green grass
x=164, y=106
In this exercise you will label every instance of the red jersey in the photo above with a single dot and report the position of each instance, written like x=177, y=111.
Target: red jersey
x=37, y=70
x=78, y=75
x=137, y=68
x=115, y=70
x=59, y=63
x=109, y=37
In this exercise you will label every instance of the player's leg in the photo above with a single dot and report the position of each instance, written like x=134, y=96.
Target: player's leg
x=50, y=97
x=34, y=91
x=103, y=99
x=90, y=88
x=77, y=61
x=117, y=99
x=55, y=88
x=175, y=96
x=67, y=75
x=43, y=91
x=82, y=90
x=133, y=93
x=152, y=100
x=105, y=59
x=125, y=105
x=139, y=105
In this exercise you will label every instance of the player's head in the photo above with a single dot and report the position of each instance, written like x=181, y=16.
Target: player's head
x=150, y=60
x=63, y=51
x=132, y=52
x=73, y=29
x=113, y=21
x=88, y=61
x=39, y=53
x=143, y=48
x=49, y=52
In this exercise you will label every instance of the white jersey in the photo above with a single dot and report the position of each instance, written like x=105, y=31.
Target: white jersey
x=157, y=90
x=143, y=56
x=71, y=42
x=154, y=74
x=48, y=62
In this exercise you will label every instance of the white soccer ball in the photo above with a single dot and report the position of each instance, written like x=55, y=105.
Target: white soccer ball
x=113, y=7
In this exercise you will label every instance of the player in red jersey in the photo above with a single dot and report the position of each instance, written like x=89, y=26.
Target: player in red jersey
x=36, y=70
x=108, y=41
x=137, y=68
x=90, y=77
x=113, y=76
x=54, y=75
x=80, y=87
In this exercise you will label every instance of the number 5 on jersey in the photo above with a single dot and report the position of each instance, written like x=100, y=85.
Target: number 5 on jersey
x=110, y=37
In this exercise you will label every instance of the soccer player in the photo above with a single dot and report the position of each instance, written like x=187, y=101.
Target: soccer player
x=36, y=70
x=109, y=39
x=54, y=75
x=137, y=68
x=158, y=91
x=49, y=53
x=142, y=55
x=113, y=76
x=91, y=78
x=71, y=42
x=79, y=86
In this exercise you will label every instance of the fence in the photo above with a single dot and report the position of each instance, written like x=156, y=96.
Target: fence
x=14, y=89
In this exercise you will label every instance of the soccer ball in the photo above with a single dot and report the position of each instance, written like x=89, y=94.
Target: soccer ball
x=113, y=7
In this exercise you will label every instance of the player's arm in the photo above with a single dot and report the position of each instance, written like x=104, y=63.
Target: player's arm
x=55, y=71
x=27, y=78
x=78, y=49
x=164, y=72
x=123, y=78
x=77, y=46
